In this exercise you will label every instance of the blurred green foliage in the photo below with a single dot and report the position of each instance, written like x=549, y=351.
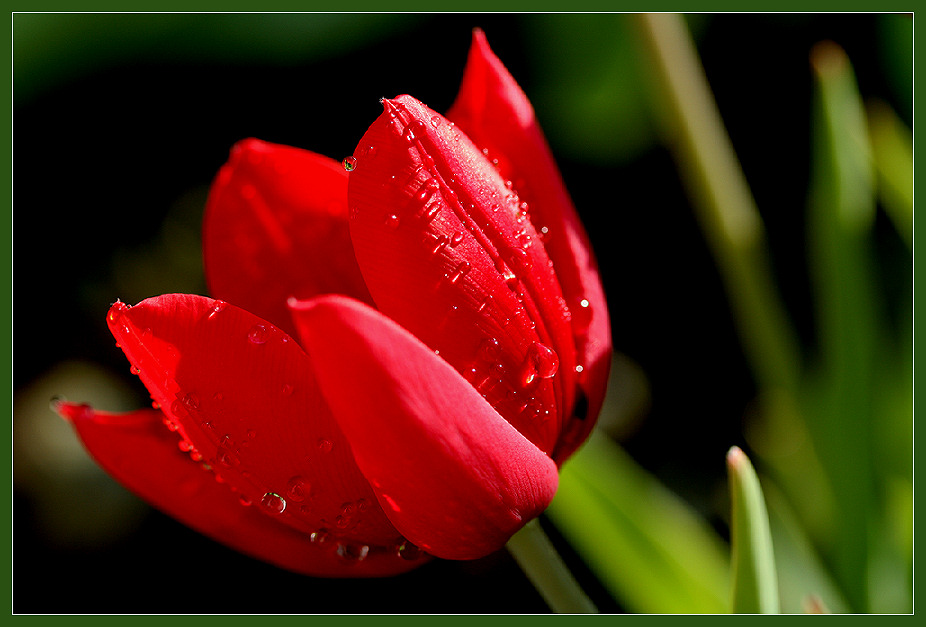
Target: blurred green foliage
x=53, y=48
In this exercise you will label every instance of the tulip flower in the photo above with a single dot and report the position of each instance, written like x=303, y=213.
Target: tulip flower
x=402, y=350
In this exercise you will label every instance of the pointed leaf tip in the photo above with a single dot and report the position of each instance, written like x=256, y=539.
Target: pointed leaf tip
x=755, y=580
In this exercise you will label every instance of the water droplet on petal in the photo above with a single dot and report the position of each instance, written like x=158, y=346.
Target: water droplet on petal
x=459, y=272
x=489, y=349
x=540, y=362
x=392, y=220
x=259, y=334
x=581, y=315
x=273, y=503
x=217, y=308
x=287, y=389
x=428, y=189
x=435, y=121
x=521, y=260
x=297, y=489
x=319, y=537
x=325, y=445
x=408, y=551
x=225, y=454
x=353, y=552
x=349, y=163
x=438, y=243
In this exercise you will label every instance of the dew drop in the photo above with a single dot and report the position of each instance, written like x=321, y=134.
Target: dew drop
x=349, y=163
x=508, y=276
x=217, y=308
x=287, y=389
x=521, y=260
x=297, y=489
x=435, y=121
x=353, y=552
x=244, y=500
x=488, y=349
x=259, y=334
x=134, y=369
x=273, y=503
x=392, y=220
x=430, y=211
x=581, y=315
x=438, y=243
x=319, y=537
x=455, y=239
x=408, y=551
x=325, y=445
x=225, y=454
x=540, y=362
x=459, y=272
x=428, y=189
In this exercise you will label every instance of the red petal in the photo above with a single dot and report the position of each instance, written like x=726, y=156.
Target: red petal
x=452, y=475
x=447, y=252
x=275, y=227
x=243, y=395
x=493, y=110
x=141, y=454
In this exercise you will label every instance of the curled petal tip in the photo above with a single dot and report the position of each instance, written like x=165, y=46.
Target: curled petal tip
x=72, y=412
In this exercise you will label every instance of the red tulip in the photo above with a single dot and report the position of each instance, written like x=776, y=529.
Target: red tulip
x=402, y=356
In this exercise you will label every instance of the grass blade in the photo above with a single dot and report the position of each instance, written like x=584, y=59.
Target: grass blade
x=755, y=580
x=651, y=551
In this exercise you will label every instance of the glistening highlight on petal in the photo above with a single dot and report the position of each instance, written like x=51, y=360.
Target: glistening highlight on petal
x=452, y=475
x=493, y=110
x=460, y=265
x=276, y=226
x=138, y=451
x=243, y=395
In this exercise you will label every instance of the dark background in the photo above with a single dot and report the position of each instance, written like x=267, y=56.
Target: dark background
x=120, y=122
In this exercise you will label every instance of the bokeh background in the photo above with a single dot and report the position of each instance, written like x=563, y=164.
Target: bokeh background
x=121, y=120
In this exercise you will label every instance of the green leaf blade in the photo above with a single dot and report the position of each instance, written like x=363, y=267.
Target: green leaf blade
x=648, y=548
x=755, y=579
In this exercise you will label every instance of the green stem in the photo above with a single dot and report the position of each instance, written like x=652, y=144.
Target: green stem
x=535, y=554
x=722, y=200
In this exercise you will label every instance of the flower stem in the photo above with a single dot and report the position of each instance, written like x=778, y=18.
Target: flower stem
x=535, y=554
x=722, y=200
